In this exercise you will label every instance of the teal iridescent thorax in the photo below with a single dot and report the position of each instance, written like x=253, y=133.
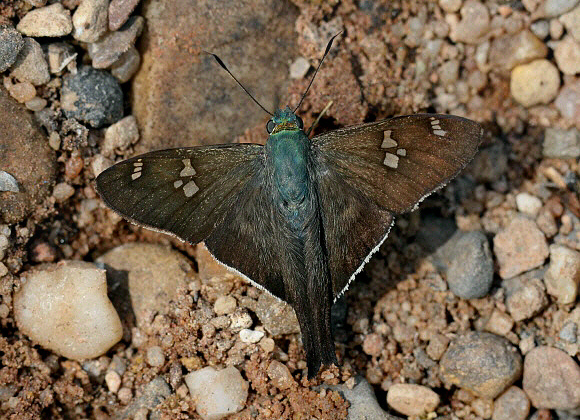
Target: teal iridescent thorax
x=284, y=120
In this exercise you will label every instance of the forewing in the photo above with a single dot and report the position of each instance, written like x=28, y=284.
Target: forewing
x=400, y=161
x=183, y=191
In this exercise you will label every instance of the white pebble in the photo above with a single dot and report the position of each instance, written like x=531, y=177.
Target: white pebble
x=251, y=336
x=528, y=203
x=113, y=381
x=225, y=305
x=155, y=356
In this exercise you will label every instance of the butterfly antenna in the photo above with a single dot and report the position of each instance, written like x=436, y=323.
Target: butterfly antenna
x=328, y=46
x=221, y=63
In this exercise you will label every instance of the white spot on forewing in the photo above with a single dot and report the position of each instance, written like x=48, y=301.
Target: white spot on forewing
x=138, y=164
x=434, y=121
x=388, y=142
x=178, y=183
x=440, y=133
x=188, y=169
x=391, y=160
x=437, y=127
x=135, y=175
x=402, y=152
x=190, y=188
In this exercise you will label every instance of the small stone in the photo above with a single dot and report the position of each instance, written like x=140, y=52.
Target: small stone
x=113, y=381
x=571, y=21
x=568, y=101
x=92, y=96
x=552, y=379
x=53, y=20
x=127, y=65
x=528, y=204
x=60, y=54
x=373, y=344
x=65, y=308
x=267, y=344
x=482, y=407
x=508, y=51
x=412, y=400
x=541, y=28
x=547, y=223
x=155, y=356
x=483, y=363
x=520, y=247
x=437, y=346
x=22, y=92
x=469, y=264
x=36, y=104
x=553, y=8
x=251, y=336
x=3, y=268
x=567, y=55
x=153, y=394
x=499, y=323
x=54, y=140
x=362, y=400
x=535, y=83
x=4, y=244
x=556, y=29
x=474, y=24
x=99, y=164
x=513, y=404
x=569, y=332
x=30, y=65
x=449, y=72
x=63, y=192
x=277, y=317
x=450, y=6
x=119, y=136
x=112, y=46
x=280, y=375
x=240, y=319
x=527, y=300
x=559, y=143
x=225, y=305
x=563, y=275
x=217, y=394
x=11, y=43
x=90, y=20
x=299, y=68
x=125, y=395
x=119, y=12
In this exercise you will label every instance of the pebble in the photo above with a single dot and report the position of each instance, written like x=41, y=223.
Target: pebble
x=267, y=344
x=520, y=247
x=64, y=307
x=469, y=264
x=449, y=72
x=277, y=317
x=528, y=204
x=113, y=381
x=60, y=54
x=251, y=336
x=553, y=8
x=412, y=400
x=119, y=136
x=11, y=43
x=8, y=182
x=99, y=164
x=36, y=104
x=53, y=20
x=240, y=319
x=90, y=20
x=280, y=375
x=556, y=29
x=567, y=55
x=22, y=92
x=217, y=394
x=92, y=96
x=483, y=363
x=119, y=12
x=125, y=394
x=30, y=65
x=568, y=101
x=3, y=269
x=450, y=6
x=63, y=191
x=437, y=346
x=499, y=323
x=299, y=68
x=569, y=332
x=362, y=400
x=560, y=143
x=4, y=244
x=551, y=379
x=112, y=46
x=535, y=83
x=474, y=24
x=513, y=404
x=541, y=28
x=155, y=356
x=153, y=394
x=508, y=51
x=145, y=277
x=127, y=65
x=563, y=275
x=225, y=305
x=527, y=300
x=373, y=344
x=571, y=22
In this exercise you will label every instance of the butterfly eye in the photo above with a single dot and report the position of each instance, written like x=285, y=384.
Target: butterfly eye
x=300, y=122
x=270, y=126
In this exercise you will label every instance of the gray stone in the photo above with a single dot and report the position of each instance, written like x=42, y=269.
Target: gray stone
x=569, y=332
x=563, y=275
x=92, y=96
x=153, y=394
x=469, y=264
x=52, y=20
x=277, y=317
x=535, y=83
x=412, y=399
x=112, y=46
x=11, y=43
x=491, y=163
x=127, y=65
x=513, y=404
x=559, y=143
x=508, y=51
x=551, y=379
x=90, y=20
x=30, y=65
x=526, y=298
x=8, y=182
x=27, y=157
x=541, y=28
x=119, y=12
x=567, y=55
x=483, y=363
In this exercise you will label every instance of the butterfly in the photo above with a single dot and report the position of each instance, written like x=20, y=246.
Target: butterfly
x=297, y=217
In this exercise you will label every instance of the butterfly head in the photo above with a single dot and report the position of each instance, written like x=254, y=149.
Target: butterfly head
x=284, y=119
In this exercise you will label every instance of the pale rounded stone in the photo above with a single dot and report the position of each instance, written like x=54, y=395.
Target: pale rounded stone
x=30, y=65
x=90, y=20
x=113, y=381
x=412, y=400
x=225, y=305
x=299, y=68
x=53, y=20
x=571, y=21
x=63, y=191
x=528, y=203
x=567, y=55
x=563, y=275
x=513, y=404
x=280, y=375
x=22, y=92
x=155, y=356
x=251, y=336
x=65, y=308
x=120, y=135
x=535, y=83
